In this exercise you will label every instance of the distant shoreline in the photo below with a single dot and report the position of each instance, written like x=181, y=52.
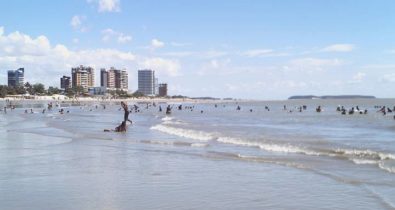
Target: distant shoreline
x=332, y=97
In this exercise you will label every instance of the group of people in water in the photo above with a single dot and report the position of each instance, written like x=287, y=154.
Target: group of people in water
x=134, y=108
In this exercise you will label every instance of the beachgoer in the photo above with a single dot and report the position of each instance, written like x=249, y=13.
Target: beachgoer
x=168, y=109
x=351, y=111
x=121, y=128
x=126, y=112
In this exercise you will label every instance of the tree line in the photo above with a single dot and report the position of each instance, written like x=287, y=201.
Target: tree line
x=32, y=89
x=39, y=89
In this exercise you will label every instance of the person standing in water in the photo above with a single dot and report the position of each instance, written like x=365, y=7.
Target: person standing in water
x=122, y=126
x=126, y=112
x=168, y=109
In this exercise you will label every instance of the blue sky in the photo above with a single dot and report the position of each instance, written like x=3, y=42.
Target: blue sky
x=243, y=49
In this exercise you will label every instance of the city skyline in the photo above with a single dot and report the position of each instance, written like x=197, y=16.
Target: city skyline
x=239, y=49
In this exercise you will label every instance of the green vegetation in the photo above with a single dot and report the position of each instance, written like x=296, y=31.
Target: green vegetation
x=35, y=89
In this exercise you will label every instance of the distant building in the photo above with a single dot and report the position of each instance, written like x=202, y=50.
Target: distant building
x=16, y=77
x=103, y=78
x=83, y=76
x=163, y=90
x=97, y=91
x=114, y=79
x=65, y=83
x=156, y=85
x=146, y=82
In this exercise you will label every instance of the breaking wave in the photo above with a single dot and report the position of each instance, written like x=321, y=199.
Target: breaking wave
x=357, y=156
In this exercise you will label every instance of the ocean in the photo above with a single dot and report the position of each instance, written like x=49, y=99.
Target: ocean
x=204, y=156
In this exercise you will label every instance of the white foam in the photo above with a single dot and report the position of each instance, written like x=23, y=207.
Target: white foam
x=355, y=155
x=174, y=123
x=205, y=136
x=192, y=134
x=267, y=147
x=387, y=168
x=167, y=118
x=364, y=161
x=368, y=154
x=199, y=145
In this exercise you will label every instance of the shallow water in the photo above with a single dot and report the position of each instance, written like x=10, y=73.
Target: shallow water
x=218, y=159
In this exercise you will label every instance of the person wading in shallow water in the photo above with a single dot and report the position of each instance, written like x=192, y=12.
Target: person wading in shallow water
x=122, y=126
x=168, y=109
x=126, y=114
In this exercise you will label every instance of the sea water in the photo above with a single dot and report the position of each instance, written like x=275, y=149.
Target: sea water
x=204, y=156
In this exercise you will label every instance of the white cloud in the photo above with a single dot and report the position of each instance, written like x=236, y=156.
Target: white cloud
x=107, y=5
x=1, y=30
x=76, y=40
x=257, y=52
x=155, y=43
x=77, y=22
x=124, y=38
x=210, y=54
x=161, y=65
x=17, y=43
x=390, y=78
x=313, y=64
x=215, y=66
x=110, y=34
x=179, y=44
x=357, y=78
x=339, y=48
x=45, y=63
x=380, y=66
x=180, y=54
x=214, y=54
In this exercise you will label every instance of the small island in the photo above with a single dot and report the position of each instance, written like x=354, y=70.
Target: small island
x=332, y=97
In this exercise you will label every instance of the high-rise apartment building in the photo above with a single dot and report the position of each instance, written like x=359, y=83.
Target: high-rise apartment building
x=83, y=76
x=163, y=90
x=65, y=83
x=114, y=78
x=16, y=77
x=103, y=77
x=146, y=82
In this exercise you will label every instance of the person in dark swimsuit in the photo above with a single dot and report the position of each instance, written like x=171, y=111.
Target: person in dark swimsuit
x=126, y=114
x=122, y=126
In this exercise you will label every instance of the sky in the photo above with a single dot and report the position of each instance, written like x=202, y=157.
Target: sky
x=248, y=49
